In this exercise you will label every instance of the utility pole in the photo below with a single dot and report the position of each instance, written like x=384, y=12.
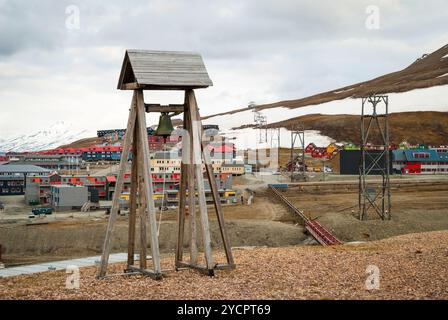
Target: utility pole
x=374, y=158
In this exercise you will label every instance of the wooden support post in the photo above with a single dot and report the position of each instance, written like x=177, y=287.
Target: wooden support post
x=182, y=196
x=118, y=187
x=142, y=202
x=133, y=200
x=143, y=237
x=148, y=188
x=215, y=195
x=191, y=194
x=195, y=126
x=181, y=214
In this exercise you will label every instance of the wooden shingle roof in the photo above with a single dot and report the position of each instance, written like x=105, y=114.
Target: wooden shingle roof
x=163, y=70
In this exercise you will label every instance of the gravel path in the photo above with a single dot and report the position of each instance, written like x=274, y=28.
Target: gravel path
x=413, y=266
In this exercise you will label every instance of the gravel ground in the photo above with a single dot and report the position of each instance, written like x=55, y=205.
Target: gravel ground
x=413, y=266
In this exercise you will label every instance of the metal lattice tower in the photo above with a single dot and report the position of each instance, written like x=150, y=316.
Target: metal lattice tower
x=275, y=137
x=375, y=159
x=274, y=151
x=260, y=123
x=296, y=164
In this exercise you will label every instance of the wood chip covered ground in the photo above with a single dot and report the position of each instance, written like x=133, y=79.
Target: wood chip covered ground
x=413, y=266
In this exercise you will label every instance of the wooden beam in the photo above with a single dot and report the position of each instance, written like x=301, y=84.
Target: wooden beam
x=215, y=194
x=176, y=108
x=146, y=171
x=204, y=269
x=118, y=187
x=130, y=86
x=188, y=147
x=195, y=125
x=142, y=200
x=133, y=200
x=182, y=202
x=181, y=213
x=146, y=272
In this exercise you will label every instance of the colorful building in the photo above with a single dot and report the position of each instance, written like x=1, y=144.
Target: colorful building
x=420, y=161
x=13, y=177
x=39, y=187
x=309, y=148
x=51, y=162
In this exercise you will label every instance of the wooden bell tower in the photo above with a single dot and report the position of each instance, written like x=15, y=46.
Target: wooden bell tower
x=163, y=70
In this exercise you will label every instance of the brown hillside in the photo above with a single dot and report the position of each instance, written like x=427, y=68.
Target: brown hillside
x=83, y=143
x=427, y=71
x=428, y=127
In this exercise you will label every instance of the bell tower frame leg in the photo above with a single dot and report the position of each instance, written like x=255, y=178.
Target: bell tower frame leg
x=193, y=152
x=142, y=203
x=141, y=180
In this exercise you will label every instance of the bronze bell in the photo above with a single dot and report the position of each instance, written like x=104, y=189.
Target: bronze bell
x=165, y=126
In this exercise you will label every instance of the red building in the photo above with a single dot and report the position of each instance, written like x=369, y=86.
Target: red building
x=319, y=152
x=309, y=148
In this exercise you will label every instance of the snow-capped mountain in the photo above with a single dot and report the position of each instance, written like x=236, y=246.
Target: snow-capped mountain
x=51, y=137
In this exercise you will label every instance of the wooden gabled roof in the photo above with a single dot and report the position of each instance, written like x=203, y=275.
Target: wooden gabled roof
x=163, y=70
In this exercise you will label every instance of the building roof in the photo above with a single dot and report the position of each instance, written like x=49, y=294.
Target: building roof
x=398, y=155
x=166, y=155
x=31, y=157
x=233, y=165
x=410, y=155
x=111, y=179
x=222, y=148
x=22, y=168
x=46, y=163
x=149, y=69
x=62, y=186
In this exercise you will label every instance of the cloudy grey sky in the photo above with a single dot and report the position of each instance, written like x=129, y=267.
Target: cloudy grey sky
x=254, y=50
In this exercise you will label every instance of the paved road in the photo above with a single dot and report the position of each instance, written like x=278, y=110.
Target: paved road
x=60, y=265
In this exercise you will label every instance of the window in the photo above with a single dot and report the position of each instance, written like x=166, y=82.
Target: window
x=421, y=155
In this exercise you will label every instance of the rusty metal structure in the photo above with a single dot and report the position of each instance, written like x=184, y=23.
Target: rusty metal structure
x=296, y=166
x=375, y=158
x=314, y=228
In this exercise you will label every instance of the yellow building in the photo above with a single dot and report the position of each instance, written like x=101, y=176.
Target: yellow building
x=331, y=148
x=164, y=162
x=236, y=169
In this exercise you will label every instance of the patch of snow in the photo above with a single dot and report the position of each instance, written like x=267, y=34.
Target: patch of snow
x=443, y=75
x=427, y=99
x=248, y=138
x=350, y=89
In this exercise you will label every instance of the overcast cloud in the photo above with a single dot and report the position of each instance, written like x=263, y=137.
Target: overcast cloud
x=254, y=50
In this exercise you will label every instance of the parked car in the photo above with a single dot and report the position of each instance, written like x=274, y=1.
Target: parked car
x=39, y=211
